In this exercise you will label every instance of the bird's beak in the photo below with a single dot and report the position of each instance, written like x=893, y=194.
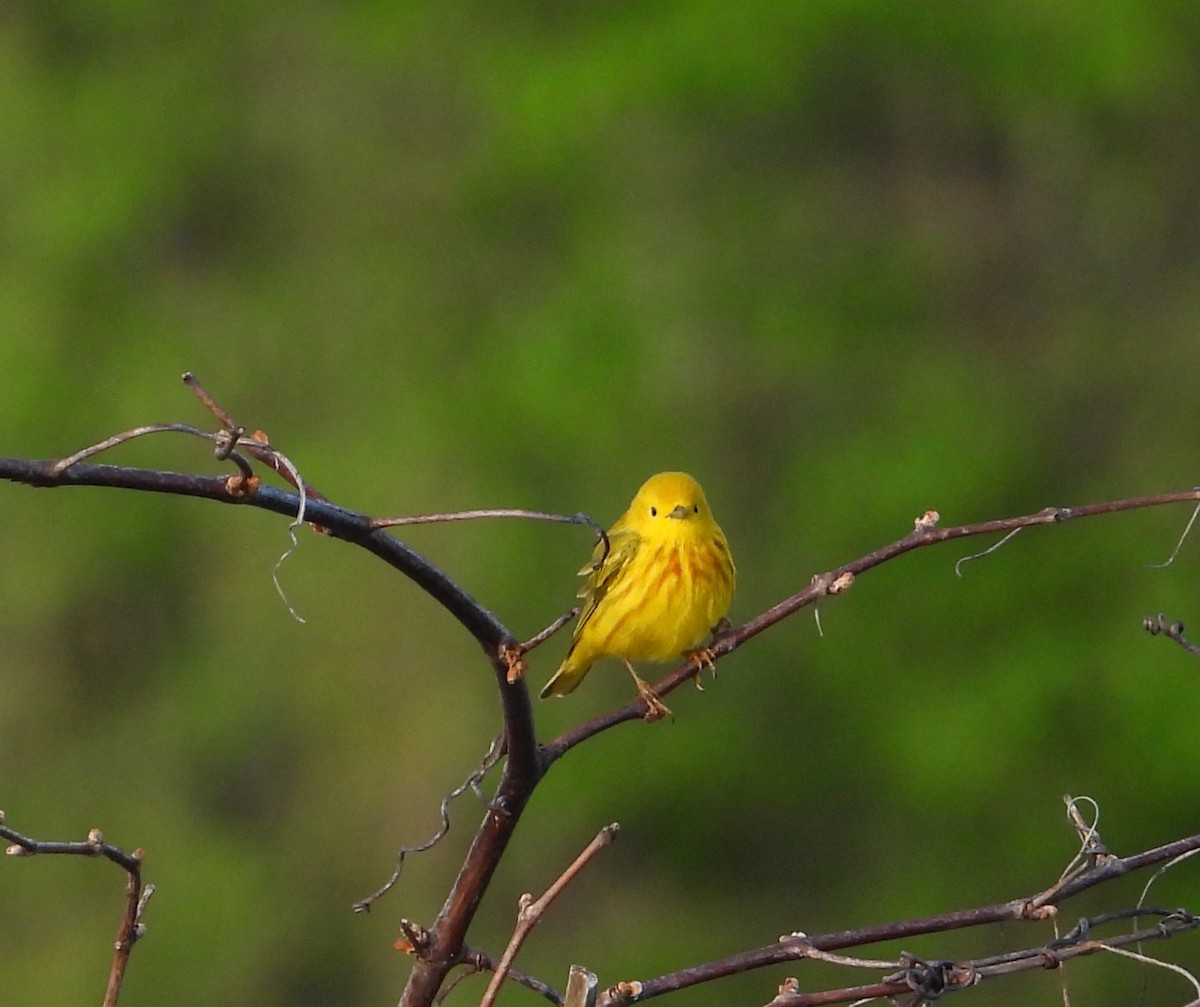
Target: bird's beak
x=681, y=511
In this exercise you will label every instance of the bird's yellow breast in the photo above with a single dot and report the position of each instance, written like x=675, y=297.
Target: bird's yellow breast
x=668, y=598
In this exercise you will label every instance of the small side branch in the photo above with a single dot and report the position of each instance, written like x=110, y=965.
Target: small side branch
x=926, y=532
x=929, y=980
x=531, y=911
x=137, y=895
x=1159, y=626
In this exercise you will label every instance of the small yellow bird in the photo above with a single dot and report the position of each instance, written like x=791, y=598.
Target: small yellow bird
x=666, y=582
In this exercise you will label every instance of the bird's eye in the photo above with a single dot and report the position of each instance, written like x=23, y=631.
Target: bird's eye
x=654, y=512
x=695, y=508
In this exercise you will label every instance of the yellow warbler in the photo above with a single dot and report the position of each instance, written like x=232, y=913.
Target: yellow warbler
x=666, y=581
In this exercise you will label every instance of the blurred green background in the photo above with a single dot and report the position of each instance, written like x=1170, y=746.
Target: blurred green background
x=842, y=261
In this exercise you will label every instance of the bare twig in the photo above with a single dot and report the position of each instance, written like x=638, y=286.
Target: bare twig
x=1038, y=907
x=137, y=895
x=530, y=913
x=513, y=655
x=835, y=582
x=929, y=980
x=1171, y=630
x=61, y=466
x=489, y=512
x=541, y=637
x=193, y=382
x=476, y=962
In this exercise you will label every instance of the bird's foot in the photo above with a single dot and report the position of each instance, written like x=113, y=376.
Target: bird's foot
x=656, y=709
x=705, y=657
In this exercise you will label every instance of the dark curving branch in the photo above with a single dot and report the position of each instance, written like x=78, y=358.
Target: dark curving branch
x=523, y=766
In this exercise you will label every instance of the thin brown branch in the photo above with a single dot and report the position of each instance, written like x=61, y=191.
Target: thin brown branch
x=61, y=466
x=930, y=980
x=193, y=382
x=925, y=533
x=531, y=911
x=1159, y=626
x=792, y=947
x=490, y=512
x=514, y=656
x=476, y=962
x=541, y=637
x=137, y=895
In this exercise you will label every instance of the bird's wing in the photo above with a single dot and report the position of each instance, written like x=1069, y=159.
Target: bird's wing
x=623, y=547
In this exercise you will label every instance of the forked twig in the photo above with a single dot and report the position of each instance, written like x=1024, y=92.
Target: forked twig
x=531, y=910
x=475, y=962
x=137, y=895
x=513, y=654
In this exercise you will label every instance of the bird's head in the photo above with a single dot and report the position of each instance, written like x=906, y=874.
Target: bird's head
x=671, y=504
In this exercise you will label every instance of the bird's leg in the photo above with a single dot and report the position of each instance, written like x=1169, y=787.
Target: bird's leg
x=703, y=656
x=656, y=709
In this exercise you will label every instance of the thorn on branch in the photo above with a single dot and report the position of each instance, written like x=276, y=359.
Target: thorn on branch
x=512, y=656
x=824, y=584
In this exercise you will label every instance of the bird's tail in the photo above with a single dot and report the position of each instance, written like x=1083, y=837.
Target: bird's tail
x=566, y=679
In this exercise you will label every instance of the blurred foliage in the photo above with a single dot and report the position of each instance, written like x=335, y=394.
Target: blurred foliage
x=843, y=261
